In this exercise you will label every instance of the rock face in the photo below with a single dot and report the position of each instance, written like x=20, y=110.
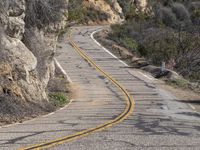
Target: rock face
x=111, y=8
x=26, y=53
x=141, y=5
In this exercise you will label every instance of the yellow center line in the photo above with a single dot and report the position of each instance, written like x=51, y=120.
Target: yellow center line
x=127, y=111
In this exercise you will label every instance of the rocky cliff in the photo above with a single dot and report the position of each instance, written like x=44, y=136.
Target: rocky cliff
x=110, y=8
x=27, y=46
x=104, y=11
x=141, y=5
x=95, y=11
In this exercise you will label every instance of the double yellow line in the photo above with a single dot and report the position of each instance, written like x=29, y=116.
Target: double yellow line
x=128, y=109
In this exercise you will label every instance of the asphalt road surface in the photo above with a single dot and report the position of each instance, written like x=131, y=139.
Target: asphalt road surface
x=157, y=122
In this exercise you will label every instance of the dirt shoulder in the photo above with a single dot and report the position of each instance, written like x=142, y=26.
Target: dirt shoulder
x=186, y=96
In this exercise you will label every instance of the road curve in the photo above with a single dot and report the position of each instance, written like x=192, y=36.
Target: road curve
x=127, y=111
x=159, y=122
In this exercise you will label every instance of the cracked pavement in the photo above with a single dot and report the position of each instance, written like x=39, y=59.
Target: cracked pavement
x=158, y=121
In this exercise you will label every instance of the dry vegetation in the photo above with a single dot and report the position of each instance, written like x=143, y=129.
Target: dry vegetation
x=170, y=34
x=81, y=14
x=43, y=12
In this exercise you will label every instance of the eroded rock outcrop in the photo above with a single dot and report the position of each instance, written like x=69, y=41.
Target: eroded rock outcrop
x=141, y=5
x=112, y=9
x=27, y=50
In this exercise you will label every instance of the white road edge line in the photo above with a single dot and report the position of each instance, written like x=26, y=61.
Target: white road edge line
x=194, y=109
x=149, y=77
x=62, y=70
x=192, y=106
x=43, y=116
x=92, y=36
x=106, y=50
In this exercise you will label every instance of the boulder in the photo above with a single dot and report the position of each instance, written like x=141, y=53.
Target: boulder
x=26, y=59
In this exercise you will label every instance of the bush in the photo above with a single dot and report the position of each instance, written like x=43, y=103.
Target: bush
x=129, y=43
x=130, y=12
x=195, y=12
x=75, y=11
x=58, y=99
x=168, y=36
x=196, y=17
x=125, y=5
x=184, y=84
x=40, y=13
x=167, y=16
x=82, y=14
x=181, y=12
x=95, y=15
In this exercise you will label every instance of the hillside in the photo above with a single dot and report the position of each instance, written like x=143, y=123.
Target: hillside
x=103, y=11
x=168, y=32
x=95, y=11
x=99, y=74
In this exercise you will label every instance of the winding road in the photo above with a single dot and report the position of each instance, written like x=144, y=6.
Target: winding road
x=102, y=116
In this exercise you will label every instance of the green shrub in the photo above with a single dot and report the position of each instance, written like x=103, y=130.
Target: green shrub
x=131, y=12
x=125, y=5
x=58, y=99
x=169, y=35
x=195, y=12
x=129, y=43
x=168, y=17
x=95, y=15
x=142, y=50
x=75, y=11
x=83, y=15
x=179, y=83
x=181, y=12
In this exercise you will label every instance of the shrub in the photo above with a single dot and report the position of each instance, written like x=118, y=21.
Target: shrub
x=129, y=43
x=167, y=16
x=130, y=12
x=159, y=46
x=179, y=83
x=195, y=12
x=40, y=13
x=181, y=12
x=58, y=99
x=168, y=36
x=75, y=11
x=117, y=32
x=125, y=6
x=95, y=15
